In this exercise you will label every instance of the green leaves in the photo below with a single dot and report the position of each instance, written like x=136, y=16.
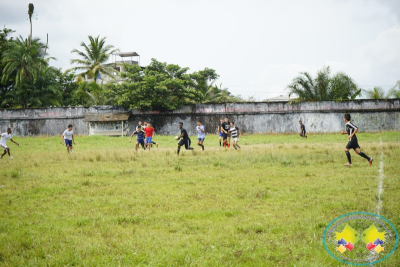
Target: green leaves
x=324, y=87
x=161, y=86
x=93, y=58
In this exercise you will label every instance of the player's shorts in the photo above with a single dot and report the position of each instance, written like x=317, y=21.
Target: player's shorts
x=235, y=139
x=140, y=141
x=201, y=139
x=224, y=135
x=148, y=140
x=68, y=142
x=352, y=144
x=185, y=143
x=4, y=147
x=220, y=134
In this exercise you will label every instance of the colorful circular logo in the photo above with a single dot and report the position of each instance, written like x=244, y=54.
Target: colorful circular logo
x=360, y=238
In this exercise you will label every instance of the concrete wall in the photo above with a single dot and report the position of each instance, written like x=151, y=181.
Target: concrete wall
x=276, y=117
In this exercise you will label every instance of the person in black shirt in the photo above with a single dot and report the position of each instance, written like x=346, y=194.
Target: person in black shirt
x=351, y=130
x=302, y=129
x=225, y=133
x=185, y=139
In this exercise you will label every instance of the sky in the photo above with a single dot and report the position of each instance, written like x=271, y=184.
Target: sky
x=256, y=46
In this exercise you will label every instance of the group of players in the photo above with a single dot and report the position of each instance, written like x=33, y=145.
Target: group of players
x=226, y=129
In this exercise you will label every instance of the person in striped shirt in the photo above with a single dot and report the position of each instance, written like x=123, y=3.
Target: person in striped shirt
x=351, y=131
x=234, y=131
x=140, y=137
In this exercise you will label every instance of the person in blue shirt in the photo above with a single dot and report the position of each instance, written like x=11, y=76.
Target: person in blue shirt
x=140, y=137
x=201, y=134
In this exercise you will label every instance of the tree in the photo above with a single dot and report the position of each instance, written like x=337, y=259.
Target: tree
x=91, y=94
x=22, y=62
x=5, y=86
x=217, y=94
x=93, y=59
x=324, y=87
x=395, y=91
x=376, y=93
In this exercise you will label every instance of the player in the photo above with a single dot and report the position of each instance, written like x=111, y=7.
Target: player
x=302, y=129
x=234, y=131
x=140, y=137
x=3, y=142
x=225, y=132
x=185, y=139
x=149, y=135
x=351, y=131
x=68, y=138
x=144, y=129
x=201, y=134
x=220, y=132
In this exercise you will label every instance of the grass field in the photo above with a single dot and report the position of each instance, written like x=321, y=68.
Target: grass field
x=265, y=205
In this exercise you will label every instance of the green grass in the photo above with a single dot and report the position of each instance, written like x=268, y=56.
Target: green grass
x=265, y=205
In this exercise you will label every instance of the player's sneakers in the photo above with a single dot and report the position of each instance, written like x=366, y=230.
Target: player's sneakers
x=348, y=164
x=70, y=150
x=11, y=157
x=157, y=145
x=370, y=161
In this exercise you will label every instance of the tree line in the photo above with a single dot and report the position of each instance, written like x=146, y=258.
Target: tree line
x=27, y=80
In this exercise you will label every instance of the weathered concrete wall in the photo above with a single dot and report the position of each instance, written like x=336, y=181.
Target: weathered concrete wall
x=276, y=117
x=50, y=121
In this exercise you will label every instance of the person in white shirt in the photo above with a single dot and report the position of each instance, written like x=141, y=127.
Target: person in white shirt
x=68, y=138
x=201, y=134
x=3, y=142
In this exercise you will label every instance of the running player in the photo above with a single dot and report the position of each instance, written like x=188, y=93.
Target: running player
x=144, y=129
x=140, y=137
x=234, y=131
x=185, y=139
x=149, y=135
x=351, y=131
x=201, y=134
x=68, y=138
x=302, y=129
x=3, y=142
x=225, y=132
x=220, y=132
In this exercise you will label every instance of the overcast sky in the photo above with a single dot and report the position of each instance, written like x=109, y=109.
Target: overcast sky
x=257, y=46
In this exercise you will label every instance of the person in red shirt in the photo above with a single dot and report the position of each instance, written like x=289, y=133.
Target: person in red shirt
x=149, y=135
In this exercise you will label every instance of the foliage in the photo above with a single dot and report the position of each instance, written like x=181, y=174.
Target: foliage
x=68, y=88
x=324, y=86
x=93, y=59
x=376, y=93
x=92, y=94
x=161, y=86
x=25, y=67
x=394, y=92
x=217, y=94
x=7, y=85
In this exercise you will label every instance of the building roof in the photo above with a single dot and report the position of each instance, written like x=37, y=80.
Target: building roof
x=127, y=54
x=107, y=117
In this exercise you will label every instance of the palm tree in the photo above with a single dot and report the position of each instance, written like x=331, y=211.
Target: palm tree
x=324, y=86
x=395, y=91
x=93, y=58
x=376, y=93
x=217, y=94
x=22, y=61
x=30, y=13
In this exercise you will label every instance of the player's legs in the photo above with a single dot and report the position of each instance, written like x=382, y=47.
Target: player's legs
x=362, y=154
x=346, y=150
x=229, y=141
x=136, y=146
x=220, y=139
x=5, y=151
x=200, y=143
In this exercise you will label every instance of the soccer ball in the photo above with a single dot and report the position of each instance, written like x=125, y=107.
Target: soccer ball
x=176, y=137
